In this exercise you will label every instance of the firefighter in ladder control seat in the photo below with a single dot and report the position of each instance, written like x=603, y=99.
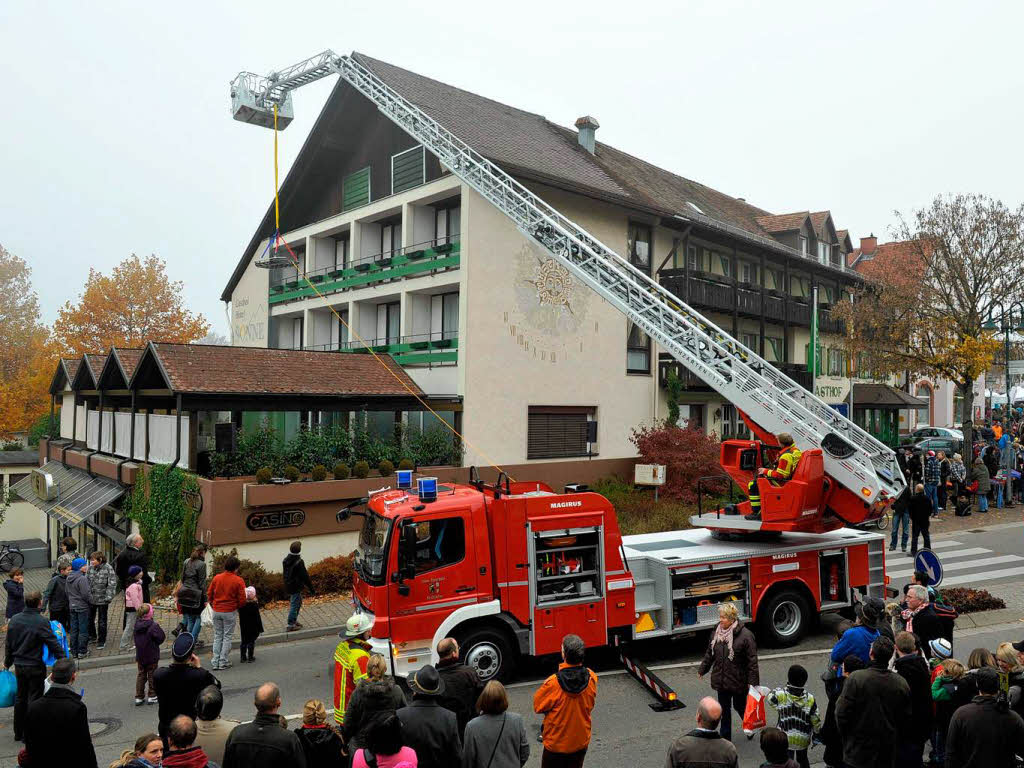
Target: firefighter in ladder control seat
x=350, y=658
x=785, y=465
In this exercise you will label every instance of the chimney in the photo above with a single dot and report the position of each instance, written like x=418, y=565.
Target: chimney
x=869, y=244
x=587, y=127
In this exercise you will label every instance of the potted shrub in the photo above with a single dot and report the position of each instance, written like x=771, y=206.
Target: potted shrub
x=406, y=464
x=291, y=473
x=341, y=471
x=385, y=468
x=318, y=473
x=264, y=475
x=361, y=469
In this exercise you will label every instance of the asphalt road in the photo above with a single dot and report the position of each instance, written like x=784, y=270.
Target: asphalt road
x=626, y=731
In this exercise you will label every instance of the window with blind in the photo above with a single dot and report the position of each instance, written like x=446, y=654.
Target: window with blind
x=355, y=189
x=638, y=349
x=408, y=169
x=557, y=432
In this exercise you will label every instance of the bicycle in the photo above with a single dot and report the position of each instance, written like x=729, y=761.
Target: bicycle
x=10, y=557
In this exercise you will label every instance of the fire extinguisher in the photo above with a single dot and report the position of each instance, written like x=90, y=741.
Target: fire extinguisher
x=833, y=582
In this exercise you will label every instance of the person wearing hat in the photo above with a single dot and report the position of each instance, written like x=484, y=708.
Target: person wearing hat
x=430, y=729
x=350, y=658
x=79, y=595
x=178, y=685
x=133, y=600
x=857, y=639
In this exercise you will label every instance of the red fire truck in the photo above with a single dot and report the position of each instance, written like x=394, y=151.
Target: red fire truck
x=509, y=568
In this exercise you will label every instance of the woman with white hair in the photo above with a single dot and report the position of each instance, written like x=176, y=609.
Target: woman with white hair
x=732, y=658
x=958, y=474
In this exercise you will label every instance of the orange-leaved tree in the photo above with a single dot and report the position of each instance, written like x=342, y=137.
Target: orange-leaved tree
x=134, y=304
x=27, y=357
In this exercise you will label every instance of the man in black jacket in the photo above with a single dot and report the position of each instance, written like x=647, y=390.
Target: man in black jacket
x=462, y=684
x=295, y=578
x=131, y=555
x=984, y=733
x=263, y=743
x=873, y=707
x=911, y=666
x=57, y=728
x=924, y=622
x=179, y=684
x=430, y=729
x=27, y=633
x=921, y=508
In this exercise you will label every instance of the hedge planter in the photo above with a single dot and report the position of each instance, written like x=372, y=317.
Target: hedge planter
x=255, y=495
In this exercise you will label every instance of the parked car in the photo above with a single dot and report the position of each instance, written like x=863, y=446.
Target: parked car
x=949, y=445
x=922, y=433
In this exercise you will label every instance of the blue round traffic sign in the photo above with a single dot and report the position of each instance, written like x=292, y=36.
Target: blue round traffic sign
x=927, y=561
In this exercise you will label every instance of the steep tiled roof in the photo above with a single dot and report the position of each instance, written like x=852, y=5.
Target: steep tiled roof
x=129, y=358
x=531, y=147
x=902, y=256
x=818, y=220
x=784, y=222
x=96, y=363
x=210, y=369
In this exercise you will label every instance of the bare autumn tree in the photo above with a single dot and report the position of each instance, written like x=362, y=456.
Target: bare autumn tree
x=928, y=296
x=134, y=304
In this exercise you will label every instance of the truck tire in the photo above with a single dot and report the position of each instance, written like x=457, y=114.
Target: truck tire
x=489, y=652
x=784, y=618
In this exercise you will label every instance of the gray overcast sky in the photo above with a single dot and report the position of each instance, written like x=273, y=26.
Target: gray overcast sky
x=117, y=138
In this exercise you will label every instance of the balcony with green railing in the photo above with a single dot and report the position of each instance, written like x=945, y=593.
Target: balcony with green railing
x=424, y=349
x=411, y=261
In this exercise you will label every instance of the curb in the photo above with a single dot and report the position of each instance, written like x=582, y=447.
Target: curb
x=984, y=619
x=270, y=639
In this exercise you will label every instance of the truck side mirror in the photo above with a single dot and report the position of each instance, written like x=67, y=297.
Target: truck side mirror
x=407, y=552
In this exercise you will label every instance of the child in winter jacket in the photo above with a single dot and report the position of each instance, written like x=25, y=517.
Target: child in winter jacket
x=250, y=625
x=798, y=713
x=132, y=603
x=55, y=597
x=949, y=693
x=102, y=587
x=148, y=637
x=15, y=587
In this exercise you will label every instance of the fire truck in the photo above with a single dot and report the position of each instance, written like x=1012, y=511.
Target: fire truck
x=509, y=568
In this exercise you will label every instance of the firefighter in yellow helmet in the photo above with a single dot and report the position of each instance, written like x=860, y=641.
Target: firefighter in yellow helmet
x=783, y=470
x=350, y=658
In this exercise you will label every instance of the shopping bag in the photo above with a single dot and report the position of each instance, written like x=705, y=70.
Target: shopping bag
x=62, y=637
x=8, y=687
x=206, y=617
x=753, y=716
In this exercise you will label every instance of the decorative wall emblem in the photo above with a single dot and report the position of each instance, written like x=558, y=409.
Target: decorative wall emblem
x=554, y=284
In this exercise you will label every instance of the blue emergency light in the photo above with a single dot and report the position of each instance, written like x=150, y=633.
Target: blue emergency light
x=427, y=488
x=404, y=479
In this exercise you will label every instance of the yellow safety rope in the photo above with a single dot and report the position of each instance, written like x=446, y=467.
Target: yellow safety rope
x=351, y=330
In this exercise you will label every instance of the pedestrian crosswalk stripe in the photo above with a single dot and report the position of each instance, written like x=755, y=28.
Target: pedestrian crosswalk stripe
x=945, y=544
x=969, y=552
x=965, y=564
x=970, y=578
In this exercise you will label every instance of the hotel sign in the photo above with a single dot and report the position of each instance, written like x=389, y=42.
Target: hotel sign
x=275, y=519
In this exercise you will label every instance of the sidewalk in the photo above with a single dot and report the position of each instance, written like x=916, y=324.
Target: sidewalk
x=323, y=618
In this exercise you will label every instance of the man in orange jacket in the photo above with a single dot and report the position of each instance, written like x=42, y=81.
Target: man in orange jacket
x=566, y=700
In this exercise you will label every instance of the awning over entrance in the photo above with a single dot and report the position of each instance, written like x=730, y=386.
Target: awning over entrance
x=886, y=397
x=66, y=494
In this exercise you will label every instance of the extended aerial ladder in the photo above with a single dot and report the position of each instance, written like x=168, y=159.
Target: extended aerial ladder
x=863, y=469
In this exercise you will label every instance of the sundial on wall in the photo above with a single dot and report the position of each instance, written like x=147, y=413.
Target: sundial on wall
x=550, y=308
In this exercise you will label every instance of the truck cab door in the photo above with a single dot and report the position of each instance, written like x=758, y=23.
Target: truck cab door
x=439, y=556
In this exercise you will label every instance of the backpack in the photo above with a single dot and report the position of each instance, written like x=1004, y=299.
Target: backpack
x=62, y=638
x=948, y=614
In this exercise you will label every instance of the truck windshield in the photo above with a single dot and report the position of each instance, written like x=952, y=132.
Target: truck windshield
x=369, y=561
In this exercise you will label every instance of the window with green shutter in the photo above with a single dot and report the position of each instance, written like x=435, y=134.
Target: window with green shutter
x=355, y=189
x=407, y=169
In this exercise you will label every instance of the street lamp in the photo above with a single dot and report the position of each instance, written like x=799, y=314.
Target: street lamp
x=1004, y=322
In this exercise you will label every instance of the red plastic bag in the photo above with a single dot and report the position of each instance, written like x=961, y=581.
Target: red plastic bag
x=753, y=715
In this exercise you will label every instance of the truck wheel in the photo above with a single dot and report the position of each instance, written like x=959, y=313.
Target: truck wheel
x=489, y=652
x=785, y=618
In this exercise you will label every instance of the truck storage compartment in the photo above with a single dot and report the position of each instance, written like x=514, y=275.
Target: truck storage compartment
x=697, y=593
x=567, y=566
x=832, y=569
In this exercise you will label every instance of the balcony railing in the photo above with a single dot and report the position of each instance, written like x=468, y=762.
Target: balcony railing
x=423, y=349
x=796, y=371
x=430, y=256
